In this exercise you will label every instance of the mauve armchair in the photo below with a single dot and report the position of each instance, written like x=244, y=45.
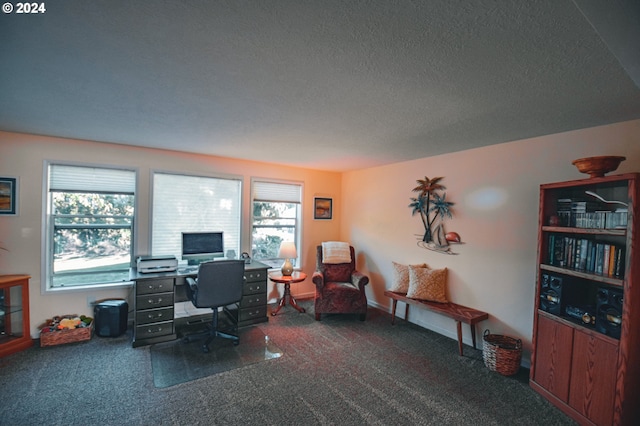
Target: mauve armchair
x=339, y=287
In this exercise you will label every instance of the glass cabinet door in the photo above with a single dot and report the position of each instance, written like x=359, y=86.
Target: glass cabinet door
x=14, y=314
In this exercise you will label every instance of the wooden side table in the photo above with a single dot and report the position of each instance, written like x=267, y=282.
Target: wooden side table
x=287, y=280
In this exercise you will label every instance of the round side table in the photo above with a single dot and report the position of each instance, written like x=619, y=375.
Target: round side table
x=287, y=280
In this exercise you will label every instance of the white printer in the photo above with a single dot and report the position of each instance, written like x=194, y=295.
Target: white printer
x=149, y=264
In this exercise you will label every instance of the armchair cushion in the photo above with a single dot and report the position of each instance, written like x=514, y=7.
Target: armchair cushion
x=427, y=284
x=335, y=252
x=400, y=282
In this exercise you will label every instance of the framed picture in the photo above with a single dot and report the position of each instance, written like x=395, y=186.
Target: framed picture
x=8, y=196
x=322, y=208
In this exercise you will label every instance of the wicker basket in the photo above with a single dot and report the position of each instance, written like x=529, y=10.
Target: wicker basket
x=501, y=353
x=60, y=337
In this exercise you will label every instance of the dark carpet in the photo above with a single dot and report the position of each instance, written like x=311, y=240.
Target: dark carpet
x=179, y=362
x=339, y=371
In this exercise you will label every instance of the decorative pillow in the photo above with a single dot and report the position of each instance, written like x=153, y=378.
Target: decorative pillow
x=336, y=252
x=401, y=277
x=427, y=284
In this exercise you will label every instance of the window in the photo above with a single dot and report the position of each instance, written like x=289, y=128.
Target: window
x=184, y=203
x=276, y=218
x=89, y=231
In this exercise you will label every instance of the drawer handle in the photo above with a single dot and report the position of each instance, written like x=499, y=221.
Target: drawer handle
x=152, y=302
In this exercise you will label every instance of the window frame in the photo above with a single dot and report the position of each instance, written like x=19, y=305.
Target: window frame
x=298, y=220
x=48, y=230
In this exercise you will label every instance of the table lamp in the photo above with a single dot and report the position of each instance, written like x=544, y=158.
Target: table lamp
x=287, y=252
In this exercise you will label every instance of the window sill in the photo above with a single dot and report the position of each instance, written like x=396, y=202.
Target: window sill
x=88, y=287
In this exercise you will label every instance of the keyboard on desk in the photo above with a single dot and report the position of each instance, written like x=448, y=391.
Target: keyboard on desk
x=188, y=270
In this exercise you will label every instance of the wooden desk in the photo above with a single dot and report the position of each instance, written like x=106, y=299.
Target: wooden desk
x=155, y=295
x=287, y=280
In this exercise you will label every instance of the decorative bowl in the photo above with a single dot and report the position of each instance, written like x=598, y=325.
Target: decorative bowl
x=598, y=166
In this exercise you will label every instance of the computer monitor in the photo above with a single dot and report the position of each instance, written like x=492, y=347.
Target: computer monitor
x=199, y=247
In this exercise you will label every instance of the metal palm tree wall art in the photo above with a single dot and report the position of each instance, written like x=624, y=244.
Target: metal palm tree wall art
x=433, y=208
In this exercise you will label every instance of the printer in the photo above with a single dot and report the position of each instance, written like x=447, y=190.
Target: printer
x=149, y=264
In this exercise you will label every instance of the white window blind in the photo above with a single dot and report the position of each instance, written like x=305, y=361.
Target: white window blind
x=184, y=203
x=91, y=179
x=276, y=192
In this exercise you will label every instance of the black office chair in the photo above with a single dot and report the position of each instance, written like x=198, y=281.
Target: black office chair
x=219, y=283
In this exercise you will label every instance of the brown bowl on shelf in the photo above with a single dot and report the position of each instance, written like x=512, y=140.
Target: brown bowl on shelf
x=598, y=166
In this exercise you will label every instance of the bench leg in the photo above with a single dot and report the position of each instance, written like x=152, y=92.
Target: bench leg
x=393, y=312
x=473, y=335
x=459, y=327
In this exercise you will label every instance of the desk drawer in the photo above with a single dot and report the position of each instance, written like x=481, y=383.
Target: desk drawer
x=254, y=287
x=154, y=286
x=253, y=300
x=154, y=315
x=154, y=330
x=246, y=314
x=256, y=275
x=157, y=300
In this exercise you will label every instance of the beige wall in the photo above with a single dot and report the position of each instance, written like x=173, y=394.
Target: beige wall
x=23, y=156
x=495, y=191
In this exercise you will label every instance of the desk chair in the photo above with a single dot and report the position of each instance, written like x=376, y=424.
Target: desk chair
x=219, y=283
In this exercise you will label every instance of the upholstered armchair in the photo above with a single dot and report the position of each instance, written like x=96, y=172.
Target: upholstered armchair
x=339, y=287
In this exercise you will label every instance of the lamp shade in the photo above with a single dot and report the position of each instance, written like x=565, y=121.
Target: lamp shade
x=287, y=250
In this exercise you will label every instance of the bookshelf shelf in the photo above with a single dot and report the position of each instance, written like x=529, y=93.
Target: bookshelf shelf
x=586, y=336
x=586, y=231
x=584, y=275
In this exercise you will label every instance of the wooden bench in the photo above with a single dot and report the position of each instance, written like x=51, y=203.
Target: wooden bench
x=458, y=312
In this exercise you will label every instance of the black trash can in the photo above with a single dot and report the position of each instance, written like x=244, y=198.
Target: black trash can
x=111, y=317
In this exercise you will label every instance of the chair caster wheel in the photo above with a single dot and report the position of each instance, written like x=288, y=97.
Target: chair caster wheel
x=205, y=349
x=236, y=342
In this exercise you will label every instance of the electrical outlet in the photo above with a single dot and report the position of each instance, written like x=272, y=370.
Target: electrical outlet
x=91, y=300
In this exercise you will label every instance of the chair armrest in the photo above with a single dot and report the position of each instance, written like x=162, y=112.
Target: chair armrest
x=318, y=279
x=192, y=290
x=359, y=280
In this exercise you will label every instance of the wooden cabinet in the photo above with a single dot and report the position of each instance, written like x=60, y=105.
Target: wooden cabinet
x=14, y=314
x=586, y=337
x=252, y=309
x=153, y=310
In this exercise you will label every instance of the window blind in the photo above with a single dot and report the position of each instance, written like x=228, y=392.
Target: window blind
x=91, y=179
x=277, y=192
x=184, y=203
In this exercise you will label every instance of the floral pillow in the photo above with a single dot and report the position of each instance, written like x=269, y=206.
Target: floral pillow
x=427, y=284
x=400, y=282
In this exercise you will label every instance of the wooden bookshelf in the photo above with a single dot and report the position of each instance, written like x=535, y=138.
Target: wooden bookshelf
x=586, y=336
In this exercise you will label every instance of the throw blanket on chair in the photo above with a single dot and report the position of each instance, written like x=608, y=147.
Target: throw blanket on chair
x=335, y=252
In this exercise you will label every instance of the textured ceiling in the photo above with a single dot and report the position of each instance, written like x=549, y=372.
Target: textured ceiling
x=328, y=84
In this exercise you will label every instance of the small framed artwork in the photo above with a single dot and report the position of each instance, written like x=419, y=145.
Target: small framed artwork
x=8, y=196
x=322, y=208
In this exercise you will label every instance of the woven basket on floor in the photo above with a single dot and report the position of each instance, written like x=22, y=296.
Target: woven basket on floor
x=501, y=353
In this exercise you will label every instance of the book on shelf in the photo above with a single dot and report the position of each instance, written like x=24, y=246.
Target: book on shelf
x=583, y=254
x=587, y=214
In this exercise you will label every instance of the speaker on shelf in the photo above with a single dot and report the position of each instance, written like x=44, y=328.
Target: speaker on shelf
x=111, y=317
x=609, y=311
x=551, y=294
